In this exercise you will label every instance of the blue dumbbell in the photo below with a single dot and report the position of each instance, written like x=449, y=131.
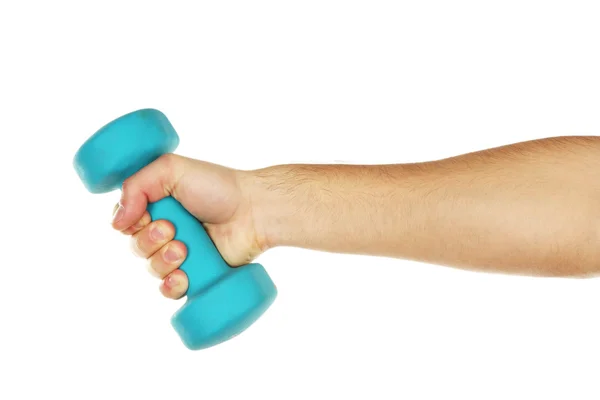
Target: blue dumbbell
x=222, y=301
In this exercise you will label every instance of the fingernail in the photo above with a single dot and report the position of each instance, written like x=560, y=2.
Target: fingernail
x=171, y=256
x=118, y=213
x=156, y=234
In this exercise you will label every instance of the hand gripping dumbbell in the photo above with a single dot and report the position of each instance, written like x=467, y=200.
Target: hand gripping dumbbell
x=222, y=301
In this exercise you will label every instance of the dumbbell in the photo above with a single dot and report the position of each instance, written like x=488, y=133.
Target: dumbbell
x=221, y=301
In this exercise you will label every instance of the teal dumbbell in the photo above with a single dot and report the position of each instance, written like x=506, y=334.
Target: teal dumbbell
x=222, y=301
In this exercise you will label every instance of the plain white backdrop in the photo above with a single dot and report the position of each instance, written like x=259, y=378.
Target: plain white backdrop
x=253, y=83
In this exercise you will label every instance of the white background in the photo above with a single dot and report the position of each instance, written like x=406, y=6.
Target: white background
x=254, y=83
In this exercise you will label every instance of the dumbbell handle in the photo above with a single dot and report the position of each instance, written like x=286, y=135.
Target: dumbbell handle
x=203, y=264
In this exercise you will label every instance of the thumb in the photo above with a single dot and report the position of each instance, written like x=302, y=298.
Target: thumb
x=150, y=184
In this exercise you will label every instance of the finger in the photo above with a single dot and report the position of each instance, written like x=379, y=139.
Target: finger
x=150, y=184
x=174, y=285
x=138, y=226
x=151, y=238
x=167, y=259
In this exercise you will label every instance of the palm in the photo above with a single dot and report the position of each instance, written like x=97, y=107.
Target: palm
x=212, y=194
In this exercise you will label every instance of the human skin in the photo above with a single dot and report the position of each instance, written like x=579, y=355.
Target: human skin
x=528, y=208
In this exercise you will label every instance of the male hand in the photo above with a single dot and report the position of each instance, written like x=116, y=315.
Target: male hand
x=216, y=195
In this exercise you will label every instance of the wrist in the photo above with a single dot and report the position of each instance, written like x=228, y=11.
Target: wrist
x=282, y=199
x=267, y=210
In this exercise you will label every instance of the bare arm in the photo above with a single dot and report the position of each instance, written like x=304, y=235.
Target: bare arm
x=527, y=208
x=530, y=208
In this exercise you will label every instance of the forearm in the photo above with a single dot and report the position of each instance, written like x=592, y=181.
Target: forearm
x=527, y=208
